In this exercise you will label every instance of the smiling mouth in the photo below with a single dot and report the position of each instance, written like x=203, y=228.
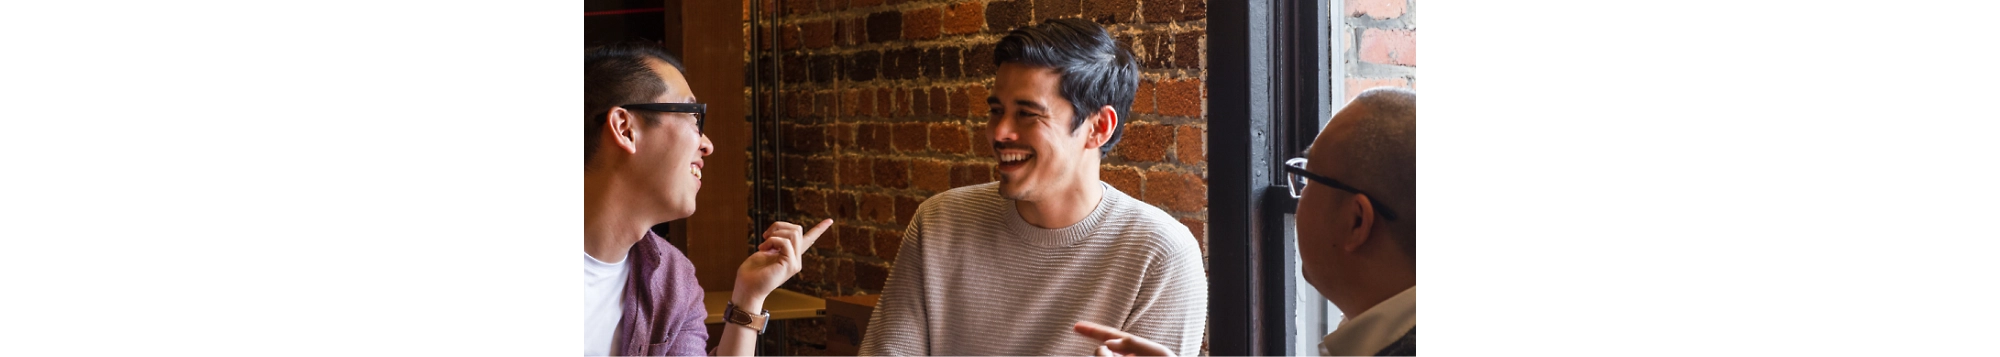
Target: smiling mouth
x=695, y=168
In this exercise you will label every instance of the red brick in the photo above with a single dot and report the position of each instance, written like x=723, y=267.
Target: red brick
x=827, y=102
x=813, y=270
x=1180, y=97
x=862, y=66
x=1397, y=47
x=1187, y=50
x=975, y=101
x=884, y=103
x=940, y=103
x=912, y=137
x=1176, y=191
x=949, y=66
x=855, y=240
x=843, y=273
x=950, y=138
x=1158, y=11
x=1145, y=142
x=1051, y=9
x=819, y=34
x=818, y=170
x=863, y=3
x=789, y=37
x=920, y=102
x=901, y=103
x=853, y=31
x=906, y=207
x=801, y=7
x=982, y=143
x=1188, y=146
x=870, y=276
x=807, y=139
x=966, y=174
x=877, y=207
x=791, y=170
x=1380, y=9
x=892, y=173
x=1125, y=179
x=874, y=137
x=885, y=26
x=841, y=205
x=865, y=106
x=856, y=171
x=932, y=175
x=843, y=135
x=887, y=244
x=922, y=24
x=848, y=99
x=810, y=203
x=1153, y=50
x=979, y=63
x=1356, y=85
x=1003, y=16
x=964, y=18
x=1108, y=12
x=1142, y=101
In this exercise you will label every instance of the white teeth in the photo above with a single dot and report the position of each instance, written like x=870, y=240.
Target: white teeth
x=696, y=171
x=1013, y=157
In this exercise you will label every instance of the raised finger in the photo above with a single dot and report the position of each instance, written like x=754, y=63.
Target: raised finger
x=812, y=236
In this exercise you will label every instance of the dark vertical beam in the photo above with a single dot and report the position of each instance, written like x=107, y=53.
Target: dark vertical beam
x=1301, y=97
x=715, y=71
x=1239, y=94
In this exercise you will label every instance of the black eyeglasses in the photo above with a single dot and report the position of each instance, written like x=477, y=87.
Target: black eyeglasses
x=1297, y=177
x=700, y=110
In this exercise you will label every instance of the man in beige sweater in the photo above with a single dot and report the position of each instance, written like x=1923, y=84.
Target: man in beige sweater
x=1006, y=268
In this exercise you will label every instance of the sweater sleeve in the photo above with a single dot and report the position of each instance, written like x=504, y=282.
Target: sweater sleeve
x=1173, y=300
x=899, y=326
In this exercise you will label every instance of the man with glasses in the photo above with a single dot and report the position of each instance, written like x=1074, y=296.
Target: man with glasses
x=1357, y=228
x=642, y=160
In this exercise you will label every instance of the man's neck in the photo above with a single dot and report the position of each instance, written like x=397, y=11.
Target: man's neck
x=1064, y=207
x=610, y=226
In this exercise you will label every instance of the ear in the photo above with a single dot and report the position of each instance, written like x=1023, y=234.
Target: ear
x=624, y=127
x=1360, y=224
x=1100, y=125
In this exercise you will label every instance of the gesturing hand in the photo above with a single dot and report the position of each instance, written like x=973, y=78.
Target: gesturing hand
x=776, y=260
x=1119, y=343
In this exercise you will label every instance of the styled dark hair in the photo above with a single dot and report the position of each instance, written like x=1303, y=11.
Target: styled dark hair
x=616, y=74
x=1096, y=70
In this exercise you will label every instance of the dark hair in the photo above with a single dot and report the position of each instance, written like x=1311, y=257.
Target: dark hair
x=1096, y=70
x=617, y=74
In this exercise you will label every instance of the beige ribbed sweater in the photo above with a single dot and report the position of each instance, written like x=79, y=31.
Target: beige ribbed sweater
x=974, y=279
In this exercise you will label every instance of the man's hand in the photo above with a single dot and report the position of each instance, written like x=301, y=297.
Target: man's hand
x=1119, y=343
x=774, y=262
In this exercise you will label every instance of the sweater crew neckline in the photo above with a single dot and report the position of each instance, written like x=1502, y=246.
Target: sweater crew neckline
x=1060, y=237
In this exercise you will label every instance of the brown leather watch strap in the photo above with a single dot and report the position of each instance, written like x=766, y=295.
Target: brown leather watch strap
x=735, y=315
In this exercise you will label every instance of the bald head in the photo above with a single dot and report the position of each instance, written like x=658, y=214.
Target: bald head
x=1372, y=145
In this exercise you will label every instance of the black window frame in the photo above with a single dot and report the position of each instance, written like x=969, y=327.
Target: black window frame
x=1270, y=83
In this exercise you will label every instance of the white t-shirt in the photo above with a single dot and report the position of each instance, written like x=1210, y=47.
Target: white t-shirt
x=603, y=287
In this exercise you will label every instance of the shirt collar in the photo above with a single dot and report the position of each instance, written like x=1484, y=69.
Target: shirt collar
x=1373, y=329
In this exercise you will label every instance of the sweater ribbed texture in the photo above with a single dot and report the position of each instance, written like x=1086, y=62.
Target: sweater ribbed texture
x=974, y=279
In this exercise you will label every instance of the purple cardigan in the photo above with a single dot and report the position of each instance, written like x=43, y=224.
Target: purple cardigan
x=663, y=312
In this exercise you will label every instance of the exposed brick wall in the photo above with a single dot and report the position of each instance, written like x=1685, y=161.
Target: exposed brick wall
x=885, y=106
x=1378, y=41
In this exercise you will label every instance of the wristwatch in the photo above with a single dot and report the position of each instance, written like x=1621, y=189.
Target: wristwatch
x=736, y=315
